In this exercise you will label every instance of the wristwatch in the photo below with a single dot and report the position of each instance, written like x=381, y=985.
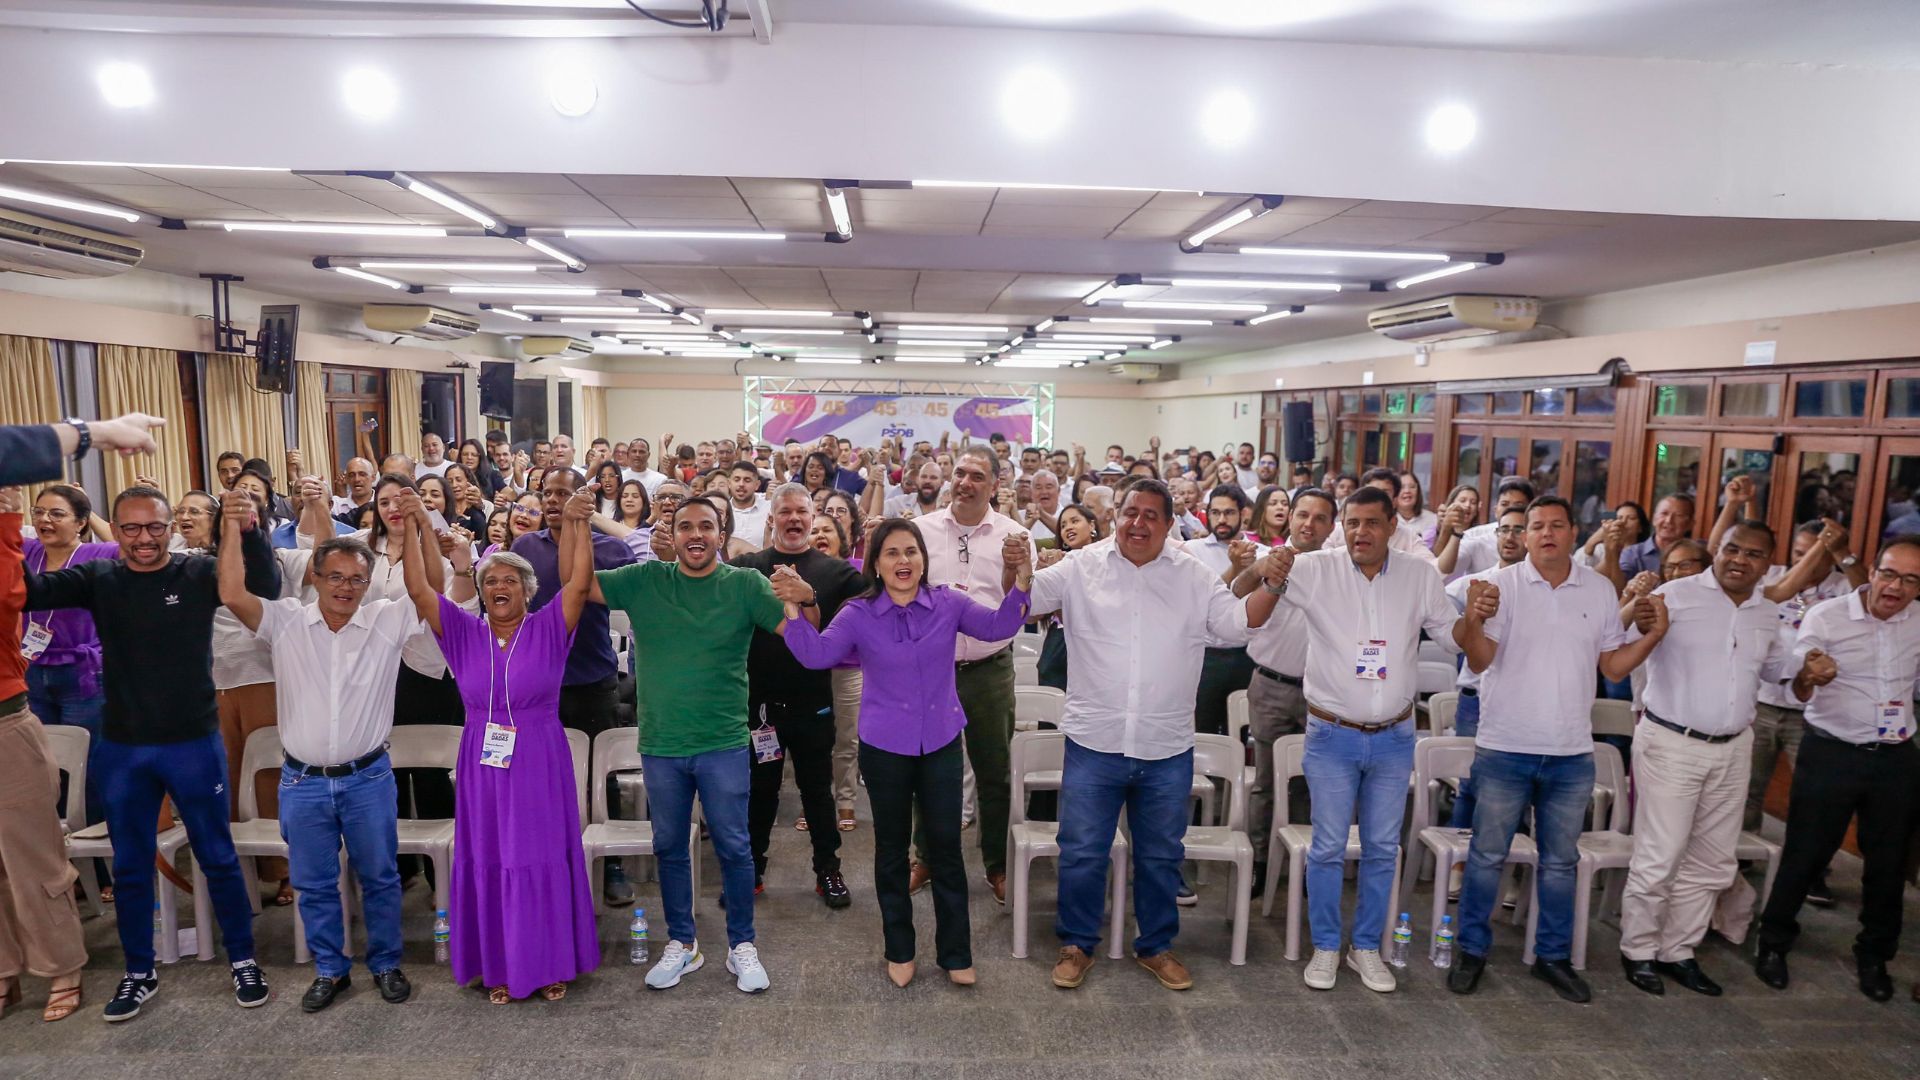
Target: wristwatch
x=808, y=603
x=1849, y=562
x=1281, y=591
x=86, y=436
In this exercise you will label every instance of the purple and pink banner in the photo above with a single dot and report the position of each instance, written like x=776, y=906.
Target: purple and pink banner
x=865, y=419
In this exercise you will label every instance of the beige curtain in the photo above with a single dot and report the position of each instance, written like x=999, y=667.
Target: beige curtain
x=27, y=391
x=315, y=424
x=146, y=380
x=403, y=412
x=240, y=418
x=593, y=415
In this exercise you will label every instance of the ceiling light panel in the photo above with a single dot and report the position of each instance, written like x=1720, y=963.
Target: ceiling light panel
x=364, y=275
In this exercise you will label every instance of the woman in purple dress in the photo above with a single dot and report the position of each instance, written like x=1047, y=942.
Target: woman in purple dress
x=520, y=910
x=903, y=632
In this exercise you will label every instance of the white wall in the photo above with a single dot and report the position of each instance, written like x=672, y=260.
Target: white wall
x=1095, y=422
x=688, y=415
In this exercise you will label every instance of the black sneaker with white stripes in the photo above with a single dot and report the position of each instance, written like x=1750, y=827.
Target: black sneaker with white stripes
x=133, y=992
x=249, y=984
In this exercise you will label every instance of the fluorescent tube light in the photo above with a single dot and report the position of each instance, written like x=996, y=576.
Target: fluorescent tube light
x=1161, y=344
x=1346, y=253
x=510, y=313
x=326, y=228
x=578, y=309
x=790, y=330
x=64, y=203
x=523, y=290
x=1192, y=305
x=1232, y=283
x=545, y=248
x=1244, y=214
x=837, y=208
x=926, y=328
x=1445, y=271
x=656, y=302
x=929, y=359
x=1270, y=316
x=951, y=343
x=365, y=276
x=1033, y=364
x=670, y=234
x=1102, y=338
x=1044, y=325
x=423, y=264
x=829, y=359
x=464, y=209
x=1157, y=322
x=771, y=313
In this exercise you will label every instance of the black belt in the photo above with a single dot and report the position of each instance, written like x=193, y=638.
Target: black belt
x=960, y=664
x=1290, y=680
x=1689, y=732
x=13, y=704
x=1870, y=747
x=1469, y=691
x=335, y=771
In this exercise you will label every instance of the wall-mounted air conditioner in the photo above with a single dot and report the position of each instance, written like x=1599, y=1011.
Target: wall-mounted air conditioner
x=1446, y=317
x=565, y=348
x=419, y=320
x=1134, y=371
x=44, y=248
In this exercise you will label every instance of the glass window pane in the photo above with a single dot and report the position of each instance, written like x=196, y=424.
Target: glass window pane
x=1825, y=488
x=1423, y=402
x=1349, y=450
x=370, y=384
x=1370, y=402
x=1750, y=399
x=1506, y=459
x=1549, y=403
x=1680, y=399
x=1676, y=470
x=1508, y=402
x=344, y=422
x=1397, y=402
x=1830, y=398
x=1421, y=462
x=338, y=383
x=1594, y=401
x=1592, y=462
x=1470, y=404
x=1756, y=465
x=1466, y=460
x=1370, y=453
x=1349, y=401
x=1543, y=466
x=1903, y=401
x=1903, y=498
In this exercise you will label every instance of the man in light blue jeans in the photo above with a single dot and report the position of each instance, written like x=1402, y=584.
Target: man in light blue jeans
x=1156, y=794
x=1348, y=769
x=317, y=812
x=723, y=780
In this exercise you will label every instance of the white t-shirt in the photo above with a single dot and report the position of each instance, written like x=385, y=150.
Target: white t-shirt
x=421, y=468
x=750, y=525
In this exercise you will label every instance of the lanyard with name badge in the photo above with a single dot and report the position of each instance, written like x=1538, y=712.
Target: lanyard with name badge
x=1372, y=661
x=496, y=746
x=36, y=639
x=1894, y=723
x=766, y=741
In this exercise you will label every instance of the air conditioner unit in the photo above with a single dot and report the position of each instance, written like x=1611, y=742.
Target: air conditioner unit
x=1134, y=371
x=419, y=320
x=1447, y=317
x=566, y=348
x=35, y=245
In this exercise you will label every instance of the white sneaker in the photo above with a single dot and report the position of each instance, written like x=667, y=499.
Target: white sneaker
x=1323, y=969
x=675, y=961
x=743, y=962
x=1373, y=971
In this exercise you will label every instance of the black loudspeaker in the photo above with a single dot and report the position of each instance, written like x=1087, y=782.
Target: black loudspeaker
x=1297, y=431
x=496, y=390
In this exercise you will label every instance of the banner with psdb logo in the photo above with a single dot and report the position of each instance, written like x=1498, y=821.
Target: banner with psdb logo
x=865, y=419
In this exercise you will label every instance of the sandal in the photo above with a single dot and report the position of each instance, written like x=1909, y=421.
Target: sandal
x=800, y=824
x=62, y=1004
x=847, y=824
x=11, y=997
x=284, y=896
x=499, y=996
x=554, y=992
x=106, y=894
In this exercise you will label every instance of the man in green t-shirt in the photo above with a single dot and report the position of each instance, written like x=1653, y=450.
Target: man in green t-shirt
x=693, y=621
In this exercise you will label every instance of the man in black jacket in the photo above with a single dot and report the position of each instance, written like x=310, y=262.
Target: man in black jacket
x=153, y=610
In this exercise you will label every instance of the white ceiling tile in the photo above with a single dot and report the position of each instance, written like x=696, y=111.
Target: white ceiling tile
x=1160, y=224
x=1495, y=235
x=809, y=214
x=1315, y=206
x=757, y=187
x=727, y=207
x=1557, y=217
x=979, y=196
x=1191, y=202
x=169, y=201
x=85, y=174
x=1269, y=227
x=355, y=184
x=1382, y=208
x=477, y=184
x=1072, y=197
x=314, y=203
x=1096, y=220
x=544, y=210
x=1046, y=232
x=929, y=212
x=686, y=187
x=1347, y=229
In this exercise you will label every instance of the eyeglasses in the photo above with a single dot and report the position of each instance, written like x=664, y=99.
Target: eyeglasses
x=132, y=529
x=194, y=512
x=1678, y=565
x=965, y=557
x=1511, y=530
x=358, y=581
x=50, y=514
x=1887, y=576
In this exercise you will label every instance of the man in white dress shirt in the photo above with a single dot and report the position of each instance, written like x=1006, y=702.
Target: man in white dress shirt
x=964, y=543
x=1692, y=755
x=335, y=660
x=1363, y=612
x=750, y=508
x=1223, y=551
x=1405, y=539
x=1858, y=656
x=1462, y=553
x=1552, y=621
x=433, y=457
x=1137, y=614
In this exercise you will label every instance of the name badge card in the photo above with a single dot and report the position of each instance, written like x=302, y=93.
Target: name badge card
x=1372, y=661
x=1895, y=722
x=496, y=749
x=766, y=741
x=35, y=640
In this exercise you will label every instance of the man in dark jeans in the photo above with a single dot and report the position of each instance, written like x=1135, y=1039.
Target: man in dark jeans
x=794, y=702
x=590, y=689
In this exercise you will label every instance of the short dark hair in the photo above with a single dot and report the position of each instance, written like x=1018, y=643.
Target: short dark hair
x=75, y=498
x=259, y=465
x=351, y=545
x=1521, y=510
x=1303, y=470
x=1544, y=502
x=574, y=479
x=1753, y=525
x=543, y=442
x=139, y=491
x=230, y=455
x=496, y=436
x=1379, y=473
x=725, y=519
x=746, y=465
x=600, y=441
x=1371, y=496
x=1333, y=504
x=1147, y=485
x=1229, y=491
x=1515, y=483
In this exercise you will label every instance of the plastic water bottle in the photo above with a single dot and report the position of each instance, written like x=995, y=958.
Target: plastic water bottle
x=1443, y=943
x=1402, y=939
x=442, y=934
x=637, y=933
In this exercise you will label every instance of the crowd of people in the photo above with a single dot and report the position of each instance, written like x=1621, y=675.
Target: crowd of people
x=850, y=611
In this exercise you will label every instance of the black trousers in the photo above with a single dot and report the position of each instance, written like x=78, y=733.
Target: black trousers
x=896, y=783
x=1221, y=673
x=806, y=734
x=1832, y=782
x=1053, y=658
x=424, y=793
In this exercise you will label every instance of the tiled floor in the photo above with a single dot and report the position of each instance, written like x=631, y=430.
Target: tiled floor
x=831, y=1013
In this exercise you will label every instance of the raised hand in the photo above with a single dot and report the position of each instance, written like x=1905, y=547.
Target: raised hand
x=1483, y=601
x=1818, y=669
x=1241, y=554
x=1277, y=565
x=1740, y=490
x=789, y=587
x=1657, y=612
x=411, y=506
x=237, y=511
x=662, y=544
x=1615, y=534
x=580, y=505
x=1833, y=538
x=1050, y=556
x=146, y=480
x=296, y=464
x=1014, y=550
x=1643, y=583
x=313, y=490
x=10, y=500
x=130, y=434
x=1455, y=518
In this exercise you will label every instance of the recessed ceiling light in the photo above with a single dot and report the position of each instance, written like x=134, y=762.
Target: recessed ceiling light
x=572, y=91
x=369, y=93
x=1035, y=103
x=1226, y=119
x=1451, y=127
x=125, y=85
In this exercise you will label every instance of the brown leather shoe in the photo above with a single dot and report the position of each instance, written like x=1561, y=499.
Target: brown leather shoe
x=918, y=878
x=1168, y=969
x=1071, y=969
x=998, y=883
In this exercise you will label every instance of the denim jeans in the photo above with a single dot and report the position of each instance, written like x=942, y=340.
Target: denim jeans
x=1351, y=771
x=1558, y=788
x=1466, y=724
x=133, y=779
x=316, y=814
x=722, y=780
x=1093, y=788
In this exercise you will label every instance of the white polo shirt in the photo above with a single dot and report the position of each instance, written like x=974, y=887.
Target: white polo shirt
x=1343, y=611
x=335, y=700
x=1707, y=672
x=1878, y=661
x=1479, y=550
x=1280, y=644
x=1467, y=678
x=750, y=525
x=1537, y=695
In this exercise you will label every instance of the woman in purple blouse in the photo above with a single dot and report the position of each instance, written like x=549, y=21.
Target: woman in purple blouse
x=903, y=630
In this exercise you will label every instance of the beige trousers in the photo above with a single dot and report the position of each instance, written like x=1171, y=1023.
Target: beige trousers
x=1689, y=797
x=39, y=923
x=846, y=736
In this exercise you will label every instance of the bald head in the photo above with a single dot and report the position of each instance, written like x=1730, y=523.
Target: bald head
x=359, y=476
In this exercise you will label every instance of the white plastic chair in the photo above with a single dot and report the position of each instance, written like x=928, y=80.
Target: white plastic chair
x=1436, y=760
x=1441, y=709
x=428, y=746
x=1612, y=718
x=617, y=750
x=1435, y=677
x=1026, y=669
x=1044, y=752
x=1431, y=651
x=579, y=746
x=1037, y=705
x=1025, y=644
x=1289, y=756
x=1223, y=758
x=1601, y=849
